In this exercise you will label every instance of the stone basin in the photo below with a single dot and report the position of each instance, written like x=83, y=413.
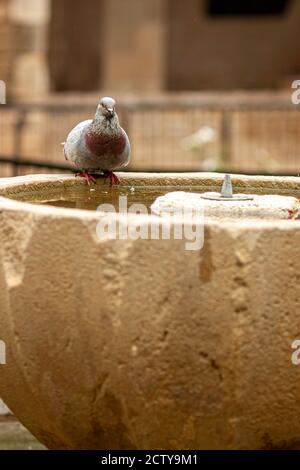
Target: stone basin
x=141, y=344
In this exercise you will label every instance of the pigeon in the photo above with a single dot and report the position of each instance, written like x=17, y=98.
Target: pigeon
x=99, y=144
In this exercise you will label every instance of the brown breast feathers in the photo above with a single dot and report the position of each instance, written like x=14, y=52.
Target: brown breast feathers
x=103, y=144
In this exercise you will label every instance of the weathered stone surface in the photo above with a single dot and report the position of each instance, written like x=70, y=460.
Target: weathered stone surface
x=262, y=207
x=140, y=344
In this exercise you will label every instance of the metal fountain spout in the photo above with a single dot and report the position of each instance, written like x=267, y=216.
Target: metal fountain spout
x=226, y=193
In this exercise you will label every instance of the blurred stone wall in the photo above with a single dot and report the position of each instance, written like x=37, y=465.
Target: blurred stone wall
x=141, y=46
x=76, y=45
x=23, y=46
x=230, y=52
x=135, y=35
x=5, y=38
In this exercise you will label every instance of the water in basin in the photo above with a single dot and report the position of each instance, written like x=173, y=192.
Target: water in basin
x=91, y=198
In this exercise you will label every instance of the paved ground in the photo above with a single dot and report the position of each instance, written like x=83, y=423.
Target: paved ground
x=13, y=436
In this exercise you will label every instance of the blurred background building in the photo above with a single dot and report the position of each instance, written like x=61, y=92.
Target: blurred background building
x=202, y=84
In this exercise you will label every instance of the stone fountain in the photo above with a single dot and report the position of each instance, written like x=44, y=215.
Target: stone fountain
x=141, y=344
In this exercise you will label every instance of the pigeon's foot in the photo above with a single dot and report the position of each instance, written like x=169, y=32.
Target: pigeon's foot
x=112, y=177
x=87, y=176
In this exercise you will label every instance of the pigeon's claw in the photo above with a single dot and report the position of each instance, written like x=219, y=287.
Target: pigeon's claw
x=87, y=176
x=112, y=177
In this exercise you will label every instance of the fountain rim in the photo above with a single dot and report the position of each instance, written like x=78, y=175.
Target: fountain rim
x=17, y=185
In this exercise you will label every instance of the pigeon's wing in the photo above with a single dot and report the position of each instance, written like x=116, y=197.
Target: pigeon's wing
x=74, y=138
x=125, y=157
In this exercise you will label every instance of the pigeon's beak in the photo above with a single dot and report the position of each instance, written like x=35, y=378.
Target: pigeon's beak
x=111, y=111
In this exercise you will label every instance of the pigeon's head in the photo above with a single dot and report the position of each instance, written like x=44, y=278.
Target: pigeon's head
x=107, y=107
